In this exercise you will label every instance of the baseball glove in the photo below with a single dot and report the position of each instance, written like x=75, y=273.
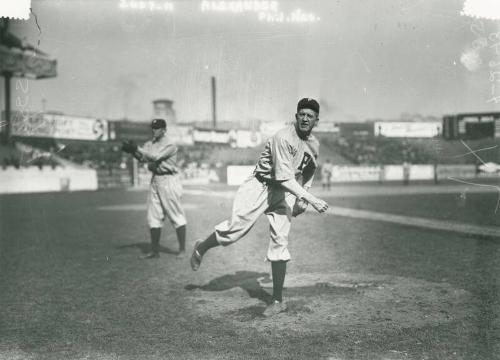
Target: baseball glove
x=129, y=146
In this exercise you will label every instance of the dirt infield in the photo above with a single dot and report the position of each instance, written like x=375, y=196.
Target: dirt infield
x=318, y=302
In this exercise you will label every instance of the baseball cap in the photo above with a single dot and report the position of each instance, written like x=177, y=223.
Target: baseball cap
x=308, y=103
x=158, y=124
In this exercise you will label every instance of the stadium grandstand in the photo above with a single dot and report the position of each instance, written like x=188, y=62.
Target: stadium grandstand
x=53, y=140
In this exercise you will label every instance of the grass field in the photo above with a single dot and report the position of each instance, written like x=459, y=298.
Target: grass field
x=72, y=285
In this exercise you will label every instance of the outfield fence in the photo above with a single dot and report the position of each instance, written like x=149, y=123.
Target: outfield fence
x=381, y=173
x=48, y=179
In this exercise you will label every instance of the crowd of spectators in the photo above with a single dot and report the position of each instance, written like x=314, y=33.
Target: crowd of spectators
x=381, y=150
x=23, y=159
x=200, y=158
x=108, y=156
x=197, y=159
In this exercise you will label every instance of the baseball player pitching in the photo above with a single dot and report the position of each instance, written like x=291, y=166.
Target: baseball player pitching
x=165, y=189
x=278, y=188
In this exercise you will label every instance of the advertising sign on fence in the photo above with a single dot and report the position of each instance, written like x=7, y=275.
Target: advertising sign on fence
x=244, y=138
x=393, y=172
x=408, y=129
x=356, y=173
x=211, y=136
x=421, y=172
x=456, y=171
x=32, y=180
x=59, y=127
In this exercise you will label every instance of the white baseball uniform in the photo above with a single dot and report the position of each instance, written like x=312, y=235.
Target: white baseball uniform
x=286, y=156
x=165, y=190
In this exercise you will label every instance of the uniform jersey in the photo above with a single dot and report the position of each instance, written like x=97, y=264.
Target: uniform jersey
x=286, y=156
x=161, y=156
x=165, y=190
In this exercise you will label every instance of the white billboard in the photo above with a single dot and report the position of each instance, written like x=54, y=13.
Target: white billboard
x=59, y=127
x=421, y=172
x=180, y=134
x=245, y=138
x=407, y=129
x=33, y=180
x=326, y=127
x=210, y=136
x=355, y=173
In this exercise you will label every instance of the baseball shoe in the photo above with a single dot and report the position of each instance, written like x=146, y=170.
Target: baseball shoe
x=196, y=256
x=274, y=309
x=181, y=255
x=150, y=256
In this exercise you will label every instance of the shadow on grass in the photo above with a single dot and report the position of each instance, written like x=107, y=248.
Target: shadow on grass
x=146, y=248
x=247, y=280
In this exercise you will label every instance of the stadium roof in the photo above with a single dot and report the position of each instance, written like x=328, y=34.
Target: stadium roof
x=20, y=59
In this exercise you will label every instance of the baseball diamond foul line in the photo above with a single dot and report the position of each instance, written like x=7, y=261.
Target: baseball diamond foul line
x=137, y=207
x=443, y=225
x=416, y=221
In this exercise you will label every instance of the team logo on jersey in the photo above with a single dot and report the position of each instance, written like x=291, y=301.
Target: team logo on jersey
x=305, y=161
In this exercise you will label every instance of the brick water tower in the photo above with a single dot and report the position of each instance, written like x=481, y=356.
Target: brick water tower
x=162, y=108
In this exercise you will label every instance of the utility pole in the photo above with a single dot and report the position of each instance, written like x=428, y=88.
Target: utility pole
x=7, y=75
x=6, y=133
x=214, y=104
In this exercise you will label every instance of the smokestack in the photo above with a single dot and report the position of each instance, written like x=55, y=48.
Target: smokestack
x=162, y=108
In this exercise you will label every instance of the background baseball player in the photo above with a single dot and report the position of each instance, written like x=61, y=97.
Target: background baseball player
x=326, y=174
x=165, y=190
x=288, y=160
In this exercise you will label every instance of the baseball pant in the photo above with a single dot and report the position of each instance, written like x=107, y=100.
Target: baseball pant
x=253, y=199
x=164, y=200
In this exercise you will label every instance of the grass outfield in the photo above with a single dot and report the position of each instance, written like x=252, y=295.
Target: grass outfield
x=72, y=285
x=463, y=205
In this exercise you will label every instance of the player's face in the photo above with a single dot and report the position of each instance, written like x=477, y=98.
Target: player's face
x=158, y=133
x=306, y=120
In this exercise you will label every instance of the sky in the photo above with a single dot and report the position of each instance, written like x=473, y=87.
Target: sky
x=363, y=60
